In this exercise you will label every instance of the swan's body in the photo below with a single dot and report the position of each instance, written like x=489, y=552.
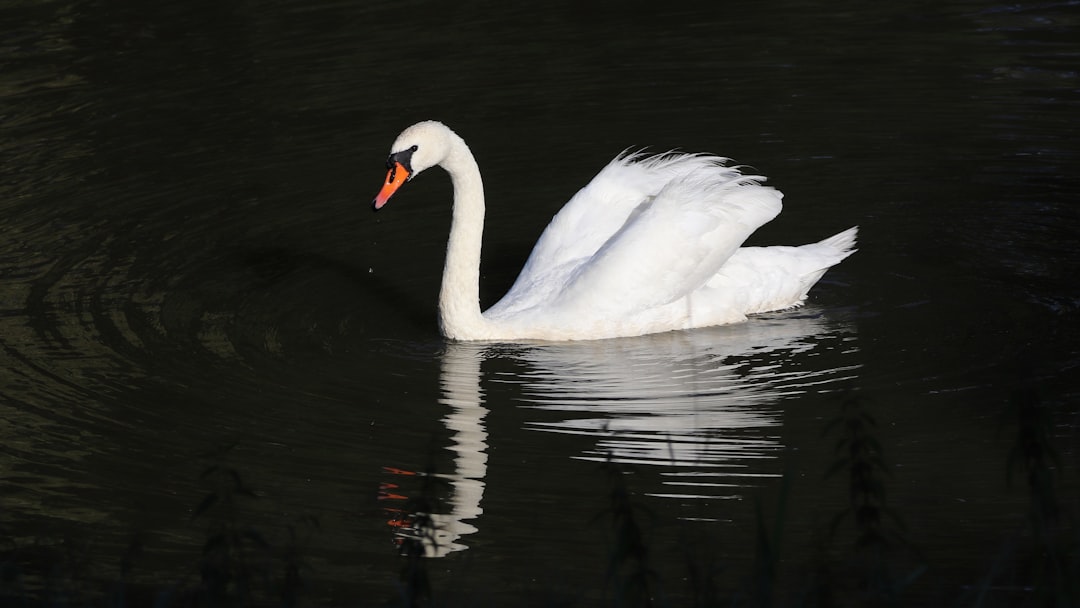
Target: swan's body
x=651, y=244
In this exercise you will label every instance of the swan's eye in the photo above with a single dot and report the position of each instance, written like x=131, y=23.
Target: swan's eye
x=414, y=148
x=400, y=160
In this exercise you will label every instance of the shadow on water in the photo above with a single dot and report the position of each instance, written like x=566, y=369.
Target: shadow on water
x=272, y=265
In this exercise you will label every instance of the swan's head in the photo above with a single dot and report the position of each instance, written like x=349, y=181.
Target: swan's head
x=419, y=147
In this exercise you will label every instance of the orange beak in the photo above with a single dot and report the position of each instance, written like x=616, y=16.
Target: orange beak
x=396, y=176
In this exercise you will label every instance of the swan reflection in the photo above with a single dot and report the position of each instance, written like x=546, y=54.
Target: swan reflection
x=703, y=404
x=437, y=534
x=682, y=398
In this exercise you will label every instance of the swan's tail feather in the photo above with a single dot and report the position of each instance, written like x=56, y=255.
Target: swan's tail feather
x=825, y=254
x=843, y=243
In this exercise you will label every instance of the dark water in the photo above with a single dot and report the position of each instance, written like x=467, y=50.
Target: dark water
x=190, y=277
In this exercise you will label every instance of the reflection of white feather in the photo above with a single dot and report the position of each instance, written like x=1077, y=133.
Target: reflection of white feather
x=460, y=378
x=702, y=402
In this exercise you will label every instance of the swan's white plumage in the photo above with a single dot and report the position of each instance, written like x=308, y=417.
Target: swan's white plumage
x=652, y=243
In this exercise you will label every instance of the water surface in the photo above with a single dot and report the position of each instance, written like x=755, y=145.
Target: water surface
x=191, y=278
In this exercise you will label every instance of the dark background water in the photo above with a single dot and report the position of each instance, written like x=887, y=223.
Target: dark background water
x=189, y=275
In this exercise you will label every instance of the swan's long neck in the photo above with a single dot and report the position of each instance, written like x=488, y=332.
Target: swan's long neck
x=459, y=299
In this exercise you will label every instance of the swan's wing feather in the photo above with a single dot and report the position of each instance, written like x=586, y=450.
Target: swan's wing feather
x=671, y=245
x=594, y=215
x=600, y=208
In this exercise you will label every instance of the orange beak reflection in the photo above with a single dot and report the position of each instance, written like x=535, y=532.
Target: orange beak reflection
x=396, y=176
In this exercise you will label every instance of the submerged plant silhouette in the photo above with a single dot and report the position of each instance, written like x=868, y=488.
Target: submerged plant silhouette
x=238, y=565
x=1054, y=565
x=415, y=531
x=767, y=548
x=231, y=564
x=634, y=582
x=879, y=537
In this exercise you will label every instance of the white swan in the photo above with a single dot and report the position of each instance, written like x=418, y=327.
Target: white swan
x=651, y=244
